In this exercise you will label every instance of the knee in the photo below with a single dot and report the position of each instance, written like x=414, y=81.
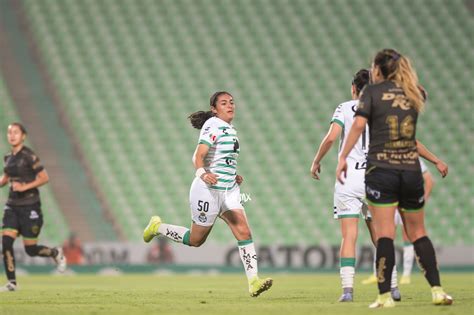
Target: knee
x=7, y=243
x=31, y=250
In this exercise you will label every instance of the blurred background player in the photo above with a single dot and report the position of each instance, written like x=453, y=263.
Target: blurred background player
x=22, y=215
x=349, y=202
x=72, y=249
x=393, y=178
x=160, y=252
x=215, y=191
x=408, y=249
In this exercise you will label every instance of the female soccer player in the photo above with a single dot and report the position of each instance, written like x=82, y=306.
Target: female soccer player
x=22, y=215
x=393, y=177
x=349, y=202
x=215, y=191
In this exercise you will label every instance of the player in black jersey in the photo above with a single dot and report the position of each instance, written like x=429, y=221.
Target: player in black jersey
x=22, y=213
x=393, y=176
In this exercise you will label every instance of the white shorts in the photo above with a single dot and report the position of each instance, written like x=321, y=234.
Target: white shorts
x=349, y=199
x=207, y=204
x=398, y=218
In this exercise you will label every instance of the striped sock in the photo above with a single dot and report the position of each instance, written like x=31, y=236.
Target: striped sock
x=347, y=272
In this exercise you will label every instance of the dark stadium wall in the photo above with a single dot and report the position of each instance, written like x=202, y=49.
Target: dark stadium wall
x=39, y=108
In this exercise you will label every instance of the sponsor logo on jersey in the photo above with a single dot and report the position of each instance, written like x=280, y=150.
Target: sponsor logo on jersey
x=34, y=215
x=374, y=193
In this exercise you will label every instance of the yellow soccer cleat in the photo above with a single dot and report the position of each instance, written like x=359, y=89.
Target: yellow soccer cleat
x=370, y=280
x=151, y=229
x=405, y=280
x=440, y=297
x=383, y=301
x=257, y=286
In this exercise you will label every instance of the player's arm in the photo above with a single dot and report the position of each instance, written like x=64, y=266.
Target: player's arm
x=4, y=180
x=356, y=130
x=429, y=183
x=428, y=155
x=333, y=134
x=198, y=160
x=41, y=179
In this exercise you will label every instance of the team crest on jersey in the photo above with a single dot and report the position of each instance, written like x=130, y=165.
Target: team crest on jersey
x=35, y=229
x=202, y=218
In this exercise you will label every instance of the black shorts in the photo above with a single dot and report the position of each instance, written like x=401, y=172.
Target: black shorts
x=26, y=220
x=386, y=187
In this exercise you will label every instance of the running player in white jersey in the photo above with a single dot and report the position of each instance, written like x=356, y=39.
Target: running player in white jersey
x=215, y=191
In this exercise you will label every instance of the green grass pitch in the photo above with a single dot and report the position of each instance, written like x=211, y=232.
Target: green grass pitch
x=220, y=294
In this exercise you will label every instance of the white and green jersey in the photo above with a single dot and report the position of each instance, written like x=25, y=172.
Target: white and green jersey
x=344, y=116
x=224, y=149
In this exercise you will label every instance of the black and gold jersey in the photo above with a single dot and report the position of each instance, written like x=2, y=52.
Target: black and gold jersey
x=392, y=126
x=22, y=167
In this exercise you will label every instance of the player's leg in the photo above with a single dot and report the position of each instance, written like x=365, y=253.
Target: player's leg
x=8, y=238
x=382, y=192
x=372, y=279
x=349, y=230
x=10, y=227
x=408, y=258
x=413, y=217
x=31, y=222
x=425, y=254
x=237, y=222
x=204, y=211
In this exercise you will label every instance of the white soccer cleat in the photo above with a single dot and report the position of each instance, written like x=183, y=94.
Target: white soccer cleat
x=60, y=260
x=9, y=287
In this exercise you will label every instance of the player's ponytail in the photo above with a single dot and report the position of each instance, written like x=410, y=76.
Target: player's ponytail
x=397, y=68
x=199, y=118
x=407, y=78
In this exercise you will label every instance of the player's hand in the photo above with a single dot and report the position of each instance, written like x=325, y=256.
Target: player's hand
x=315, y=170
x=442, y=168
x=239, y=179
x=341, y=170
x=17, y=186
x=209, y=178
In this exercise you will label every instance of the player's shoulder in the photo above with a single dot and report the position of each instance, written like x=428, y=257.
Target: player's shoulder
x=28, y=152
x=211, y=122
x=348, y=106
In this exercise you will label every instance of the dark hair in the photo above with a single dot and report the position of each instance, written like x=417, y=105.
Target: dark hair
x=396, y=67
x=361, y=79
x=19, y=125
x=199, y=118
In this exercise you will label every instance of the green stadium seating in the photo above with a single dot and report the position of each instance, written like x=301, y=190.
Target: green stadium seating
x=129, y=73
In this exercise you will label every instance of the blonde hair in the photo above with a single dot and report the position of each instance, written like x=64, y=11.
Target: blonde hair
x=398, y=68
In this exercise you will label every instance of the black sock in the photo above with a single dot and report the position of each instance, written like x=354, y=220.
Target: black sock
x=384, y=263
x=40, y=250
x=9, y=257
x=426, y=258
